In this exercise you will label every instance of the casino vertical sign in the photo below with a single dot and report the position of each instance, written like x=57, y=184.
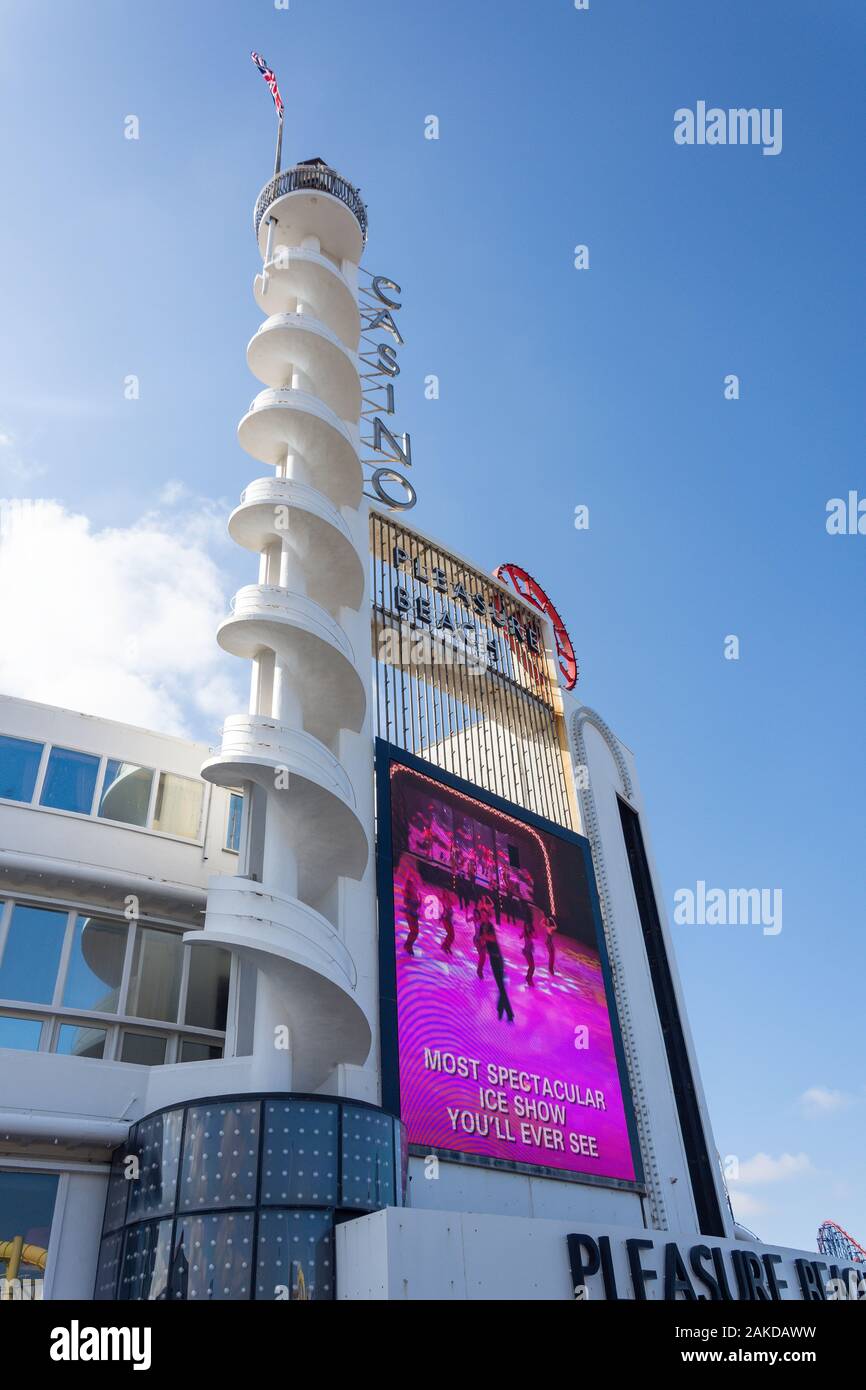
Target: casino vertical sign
x=391, y=451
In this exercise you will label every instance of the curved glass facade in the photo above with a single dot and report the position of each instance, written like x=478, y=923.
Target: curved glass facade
x=237, y=1197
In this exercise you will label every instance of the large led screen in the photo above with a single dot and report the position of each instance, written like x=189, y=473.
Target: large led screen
x=498, y=1021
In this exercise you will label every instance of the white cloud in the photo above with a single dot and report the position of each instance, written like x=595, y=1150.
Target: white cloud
x=745, y=1206
x=764, y=1168
x=820, y=1100
x=172, y=492
x=13, y=465
x=119, y=622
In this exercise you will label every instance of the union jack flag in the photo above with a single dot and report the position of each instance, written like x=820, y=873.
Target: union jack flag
x=271, y=80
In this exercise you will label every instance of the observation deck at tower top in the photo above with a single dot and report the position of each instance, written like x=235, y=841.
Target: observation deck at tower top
x=311, y=176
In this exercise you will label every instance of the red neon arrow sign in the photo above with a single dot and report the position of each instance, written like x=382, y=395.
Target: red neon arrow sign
x=529, y=589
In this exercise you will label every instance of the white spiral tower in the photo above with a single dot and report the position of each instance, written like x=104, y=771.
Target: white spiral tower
x=297, y=753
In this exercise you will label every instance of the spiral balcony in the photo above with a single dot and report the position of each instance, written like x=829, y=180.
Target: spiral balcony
x=314, y=525
x=294, y=422
x=313, y=200
x=299, y=273
x=315, y=648
x=302, y=954
x=288, y=342
x=317, y=802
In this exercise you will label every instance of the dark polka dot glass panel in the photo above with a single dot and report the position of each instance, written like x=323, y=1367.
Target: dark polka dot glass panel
x=118, y=1191
x=295, y=1256
x=213, y=1257
x=299, y=1153
x=108, y=1267
x=280, y=1170
x=157, y=1149
x=220, y=1155
x=368, y=1159
x=401, y=1136
x=146, y=1256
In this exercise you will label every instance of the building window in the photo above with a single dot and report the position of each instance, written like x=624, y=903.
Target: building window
x=296, y=1252
x=31, y=954
x=126, y=792
x=146, y=1262
x=207, y=990
x=701, y=1167
x=300, y=1162
x=193, y=1051
x=76, y=1041
x=147, y=1049
x=126, y=795
x=108, y=1268
x=368, y=1158
x=157, y=1148
x=19, y=764
x=233, y=828
x=207, y=1180
x=26, y=1212
x=154, y=987
x=70, y=781
x=24, y=1034
x=96, y=982
x=213, y=1257
x=178, y=805
x=95, y=966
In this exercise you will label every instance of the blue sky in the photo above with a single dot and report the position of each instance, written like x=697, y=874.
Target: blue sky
x=558, y=387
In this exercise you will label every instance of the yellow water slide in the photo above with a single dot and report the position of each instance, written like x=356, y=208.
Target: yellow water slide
x=16, y=1253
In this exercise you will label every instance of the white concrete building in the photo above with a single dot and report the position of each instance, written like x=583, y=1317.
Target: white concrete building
x=192, y=957
x=107, y=839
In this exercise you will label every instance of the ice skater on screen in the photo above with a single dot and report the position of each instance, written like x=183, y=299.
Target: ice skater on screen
x=470, y=870
x=442, y=839
x=411, y=908
x=420, y=834
x=472, y=915
x=449, y=903
x=492, y=952
x=550, y=927
x=523, y=915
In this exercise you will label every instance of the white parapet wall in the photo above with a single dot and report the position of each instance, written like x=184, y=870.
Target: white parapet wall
x=456, y=1256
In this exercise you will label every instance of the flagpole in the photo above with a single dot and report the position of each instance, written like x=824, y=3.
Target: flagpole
x=279, y=146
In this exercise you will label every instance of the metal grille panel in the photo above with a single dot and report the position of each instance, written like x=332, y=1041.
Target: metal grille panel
x=461, y=674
